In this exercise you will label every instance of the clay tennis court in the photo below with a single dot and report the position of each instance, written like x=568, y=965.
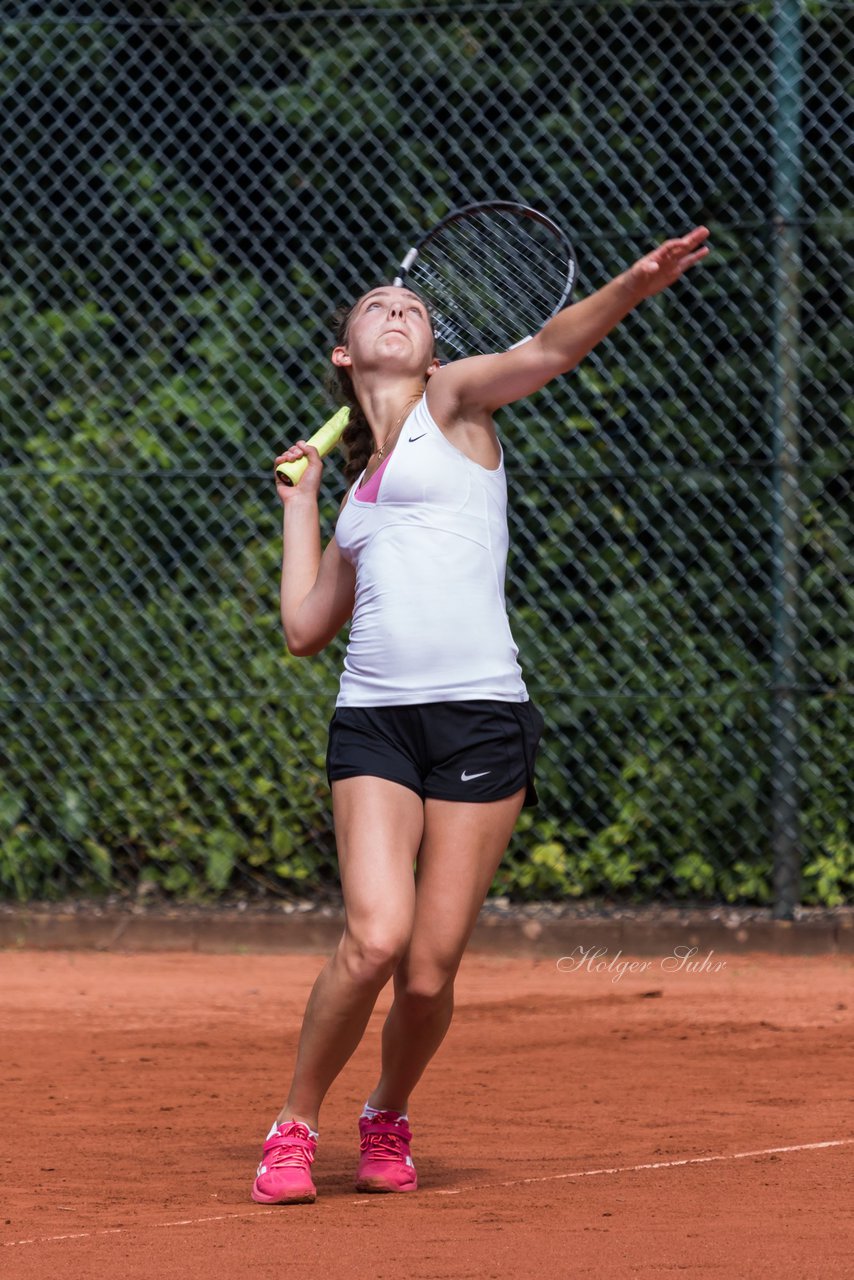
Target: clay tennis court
x=575, y=1123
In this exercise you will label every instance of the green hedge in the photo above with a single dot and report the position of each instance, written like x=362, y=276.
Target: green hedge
x=202, y=794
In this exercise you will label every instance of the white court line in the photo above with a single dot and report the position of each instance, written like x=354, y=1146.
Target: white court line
x=472, y=1186
x=636, y=1168
x=146, y=1226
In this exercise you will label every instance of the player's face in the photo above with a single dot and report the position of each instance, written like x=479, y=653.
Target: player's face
x=390, y=326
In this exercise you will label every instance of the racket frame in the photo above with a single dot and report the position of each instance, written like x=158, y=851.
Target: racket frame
x=497, y=206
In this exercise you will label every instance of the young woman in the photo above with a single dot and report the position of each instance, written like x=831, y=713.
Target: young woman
x=431, y=748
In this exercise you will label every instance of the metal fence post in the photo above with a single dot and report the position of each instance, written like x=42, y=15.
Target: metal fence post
x=785, y=818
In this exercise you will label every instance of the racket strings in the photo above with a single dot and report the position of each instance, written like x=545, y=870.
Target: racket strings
x=491, y=279
x=506, y=284
x=471, y=295
x=486, y=266
x=514, y=249
x=504, y=251
x=450, y=319
x=453, y=328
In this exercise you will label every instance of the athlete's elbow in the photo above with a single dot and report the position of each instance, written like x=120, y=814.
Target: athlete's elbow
x=295, y=651
x=303, y=644
x=298, y=646
x=296, y=642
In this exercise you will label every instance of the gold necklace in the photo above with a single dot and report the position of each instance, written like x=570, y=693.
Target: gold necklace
x=379, y=454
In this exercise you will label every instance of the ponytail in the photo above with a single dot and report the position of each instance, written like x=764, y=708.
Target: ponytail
x=358, y=439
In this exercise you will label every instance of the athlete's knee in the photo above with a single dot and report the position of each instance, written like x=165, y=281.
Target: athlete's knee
x=426, y=989
x=371, y=957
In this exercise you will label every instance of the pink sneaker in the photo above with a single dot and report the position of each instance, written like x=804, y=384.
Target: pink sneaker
x=284, y=1174
x=385, y=1163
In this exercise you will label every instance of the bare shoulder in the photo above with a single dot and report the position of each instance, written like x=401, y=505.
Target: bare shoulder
x=490, y=381
x=468, y=426
x=460, y=383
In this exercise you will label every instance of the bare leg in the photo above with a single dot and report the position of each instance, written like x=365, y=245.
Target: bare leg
x=378, y=828
x=460, y=852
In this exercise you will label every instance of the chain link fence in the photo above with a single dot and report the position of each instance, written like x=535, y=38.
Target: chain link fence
x=188, y=191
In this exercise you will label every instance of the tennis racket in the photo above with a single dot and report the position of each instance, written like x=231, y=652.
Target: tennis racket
x=492, y=274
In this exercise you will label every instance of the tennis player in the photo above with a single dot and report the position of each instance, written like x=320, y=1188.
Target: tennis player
x=432, y=745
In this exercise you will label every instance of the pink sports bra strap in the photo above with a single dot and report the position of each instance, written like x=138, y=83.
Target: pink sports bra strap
x=368, y=492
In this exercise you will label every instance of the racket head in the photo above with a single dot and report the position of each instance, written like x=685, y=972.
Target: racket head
x=492, y=274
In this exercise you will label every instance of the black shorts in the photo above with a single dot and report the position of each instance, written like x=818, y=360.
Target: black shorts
x=476, y=751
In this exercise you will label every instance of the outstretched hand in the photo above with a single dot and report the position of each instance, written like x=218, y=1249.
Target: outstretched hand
x=655, y=271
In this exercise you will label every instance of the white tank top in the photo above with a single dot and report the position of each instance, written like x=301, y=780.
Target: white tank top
x=430, y=622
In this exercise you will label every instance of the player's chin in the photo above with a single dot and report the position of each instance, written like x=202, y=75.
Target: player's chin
x=394, y=342
x=398, y=360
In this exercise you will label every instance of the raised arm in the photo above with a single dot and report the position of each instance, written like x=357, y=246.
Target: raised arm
x=485, y=383
x=317, y=590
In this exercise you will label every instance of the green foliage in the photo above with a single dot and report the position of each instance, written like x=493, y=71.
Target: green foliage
x=181, y=790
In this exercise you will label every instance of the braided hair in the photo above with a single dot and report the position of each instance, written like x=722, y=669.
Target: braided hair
x=358, y=439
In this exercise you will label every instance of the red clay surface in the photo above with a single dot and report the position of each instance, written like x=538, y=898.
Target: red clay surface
x=136, y=1092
